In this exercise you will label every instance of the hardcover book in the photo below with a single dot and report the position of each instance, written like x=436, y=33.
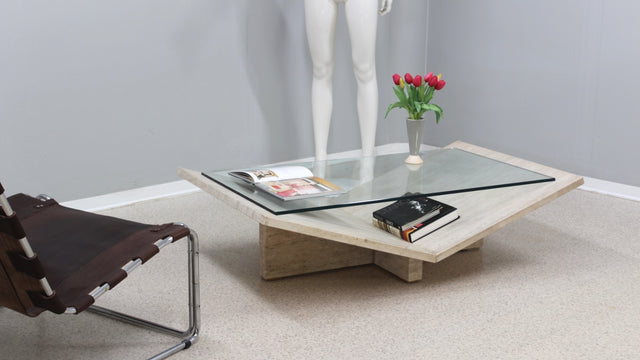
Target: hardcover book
x=405, y=213
x=421, y=217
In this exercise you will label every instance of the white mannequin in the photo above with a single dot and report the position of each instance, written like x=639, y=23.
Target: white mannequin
x=362, y=19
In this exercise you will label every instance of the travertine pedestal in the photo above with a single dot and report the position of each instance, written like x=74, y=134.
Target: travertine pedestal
x=286, y=253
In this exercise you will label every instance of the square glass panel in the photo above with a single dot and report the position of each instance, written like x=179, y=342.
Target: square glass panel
x=386, y=178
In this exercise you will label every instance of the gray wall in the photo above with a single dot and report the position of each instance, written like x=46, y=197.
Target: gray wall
x=102, y=96
x=97, y=97
x=552, y=81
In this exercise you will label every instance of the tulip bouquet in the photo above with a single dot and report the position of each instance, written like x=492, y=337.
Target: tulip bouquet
x=414, y=94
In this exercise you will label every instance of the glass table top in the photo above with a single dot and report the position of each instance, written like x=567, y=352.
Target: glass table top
x=384, y=178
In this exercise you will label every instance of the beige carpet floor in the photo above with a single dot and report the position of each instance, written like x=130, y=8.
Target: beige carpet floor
x=561, y=283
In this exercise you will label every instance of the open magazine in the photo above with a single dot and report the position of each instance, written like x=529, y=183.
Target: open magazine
x=288, y=182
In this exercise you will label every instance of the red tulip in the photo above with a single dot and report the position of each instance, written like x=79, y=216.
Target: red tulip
x=433, y=81
x=428, y=76
x=440, y=84
x=408, y=78
x=417, y=80
x=396, y=79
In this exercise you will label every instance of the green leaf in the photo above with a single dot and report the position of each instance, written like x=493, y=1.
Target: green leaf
x=429, y=94
x=401, y=95
x=418, y=105
x=391, y=107
x=422, y=92
x=432, y=107
x=435, y=108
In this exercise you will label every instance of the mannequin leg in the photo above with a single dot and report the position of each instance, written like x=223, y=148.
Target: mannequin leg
x=362, y=20
x=320, y=20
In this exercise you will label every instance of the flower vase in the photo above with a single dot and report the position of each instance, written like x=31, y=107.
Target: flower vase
x=414, y=132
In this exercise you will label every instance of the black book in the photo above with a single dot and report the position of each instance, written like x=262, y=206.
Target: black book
x=405, y=213
x=421, y=217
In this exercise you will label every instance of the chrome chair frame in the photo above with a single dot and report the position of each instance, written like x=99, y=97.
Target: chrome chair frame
x=189, y=336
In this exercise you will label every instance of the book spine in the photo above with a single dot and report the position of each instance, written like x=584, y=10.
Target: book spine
x=388, y=222
x=387, y=227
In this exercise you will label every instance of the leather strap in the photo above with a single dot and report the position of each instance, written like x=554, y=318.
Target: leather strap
x=30, y=266
x=52, y=303
x=12, y=226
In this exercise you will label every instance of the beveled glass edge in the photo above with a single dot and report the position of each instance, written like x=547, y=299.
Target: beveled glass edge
x=550, y=178
x=376, y=201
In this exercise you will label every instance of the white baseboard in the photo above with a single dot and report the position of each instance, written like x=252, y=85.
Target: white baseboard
x=129, y=197
x=611, y=188
x=181, y=187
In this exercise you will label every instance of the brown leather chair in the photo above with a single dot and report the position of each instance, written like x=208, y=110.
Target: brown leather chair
x=61, y=259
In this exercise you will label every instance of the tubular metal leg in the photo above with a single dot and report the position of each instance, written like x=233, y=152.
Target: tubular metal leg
x=189, y=336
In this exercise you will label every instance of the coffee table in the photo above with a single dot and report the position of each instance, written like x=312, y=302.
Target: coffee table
x=327, y=234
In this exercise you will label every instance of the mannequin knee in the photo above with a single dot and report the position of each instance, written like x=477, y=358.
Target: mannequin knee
x=364, y=72
x=323, y=70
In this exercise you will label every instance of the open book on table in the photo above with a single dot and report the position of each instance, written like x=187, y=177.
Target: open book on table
x=288, y=182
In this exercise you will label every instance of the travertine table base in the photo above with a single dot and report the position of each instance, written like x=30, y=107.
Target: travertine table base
x=285, y=253
x=301, y=243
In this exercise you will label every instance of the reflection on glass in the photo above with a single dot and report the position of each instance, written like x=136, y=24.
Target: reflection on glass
x=386, y=178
